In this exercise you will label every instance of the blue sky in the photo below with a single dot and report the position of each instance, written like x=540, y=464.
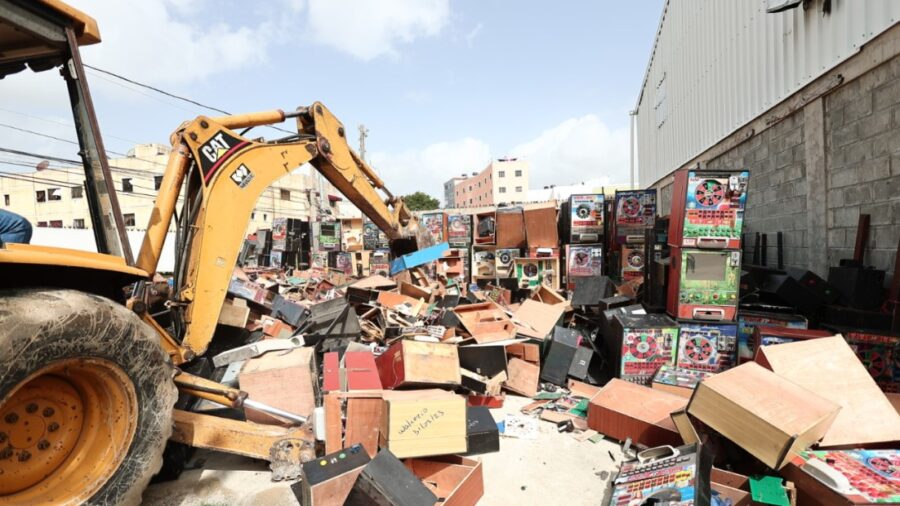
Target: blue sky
x=443, y=86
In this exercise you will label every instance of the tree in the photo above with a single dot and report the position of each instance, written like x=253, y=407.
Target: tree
x=420, y=201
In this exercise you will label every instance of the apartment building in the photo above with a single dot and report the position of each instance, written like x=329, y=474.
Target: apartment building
x=503, y=181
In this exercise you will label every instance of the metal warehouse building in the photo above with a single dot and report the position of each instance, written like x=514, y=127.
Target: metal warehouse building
x=804, y=94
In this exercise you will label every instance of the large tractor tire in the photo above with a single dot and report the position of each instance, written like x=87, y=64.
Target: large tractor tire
x=86, y=399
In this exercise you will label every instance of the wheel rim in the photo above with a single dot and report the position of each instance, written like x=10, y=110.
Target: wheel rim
x=64, y=431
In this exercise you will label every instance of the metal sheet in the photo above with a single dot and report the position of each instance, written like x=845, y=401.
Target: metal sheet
x=721, y=64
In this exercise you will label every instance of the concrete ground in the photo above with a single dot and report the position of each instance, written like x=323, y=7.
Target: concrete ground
x=552, y=467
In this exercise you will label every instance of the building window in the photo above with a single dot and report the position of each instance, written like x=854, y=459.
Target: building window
x=265, y=217
x=501, y=173
x=518, y=188
x=126, y=185
x=502, y=189
x=77, y=192
x=518, y=173
x=157, y=182
x=285, y=194
x=55, y=223
x=6, y=200
x=252, y=216
x=129, y=219
x=54, y=194
x=78, y=223
x=40, y=196
x=42, y=224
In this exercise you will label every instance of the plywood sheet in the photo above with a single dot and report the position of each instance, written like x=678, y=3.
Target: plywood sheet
x=830, y=368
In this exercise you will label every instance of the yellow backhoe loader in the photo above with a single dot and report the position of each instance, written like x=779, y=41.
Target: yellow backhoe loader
x=88, y=378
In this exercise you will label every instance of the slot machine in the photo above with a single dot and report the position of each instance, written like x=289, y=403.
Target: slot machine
x=634, y=258
x=380, y=263
x=703, y=284
x=766, y=336
x=485, y=228
x=586, y=222
x=708, y=209
x=484, y=264
x=459, y=230
x=635, y=212
x=664, y=475
x=707, y=346
x=582, y=261
x=505, y=262
x=435, y=224
x=640, y=345
x=749, y=320
x=533, y=272
x=879, y=351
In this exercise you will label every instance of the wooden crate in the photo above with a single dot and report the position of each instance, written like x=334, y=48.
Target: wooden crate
x=412, y=363
x=625, y=410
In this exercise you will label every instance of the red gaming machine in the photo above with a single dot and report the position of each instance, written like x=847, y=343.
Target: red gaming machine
x=708, y=209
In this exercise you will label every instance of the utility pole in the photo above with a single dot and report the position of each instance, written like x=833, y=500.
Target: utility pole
x=363, y=133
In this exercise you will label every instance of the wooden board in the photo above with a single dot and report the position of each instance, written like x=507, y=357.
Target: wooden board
x=537, y=319
x=363, y=422
x=830, y=368
x=334, y=439
x=486, y=322
x=770, y=417
x=234, y=313
x=523, y=377
x=285, y=380
x=540, y=227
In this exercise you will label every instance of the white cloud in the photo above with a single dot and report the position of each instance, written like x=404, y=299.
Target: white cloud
x=426, y=169
x=576, y=150
x=366, y=29
x=164, y=42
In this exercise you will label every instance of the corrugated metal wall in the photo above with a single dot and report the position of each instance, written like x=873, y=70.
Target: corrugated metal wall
x=718, y=64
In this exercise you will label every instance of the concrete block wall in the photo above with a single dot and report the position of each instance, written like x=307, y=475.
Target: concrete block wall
x=776, y=201
x=862, y=139
x=839, y=156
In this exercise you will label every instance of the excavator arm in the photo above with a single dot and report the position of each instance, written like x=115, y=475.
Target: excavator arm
x=222, y=174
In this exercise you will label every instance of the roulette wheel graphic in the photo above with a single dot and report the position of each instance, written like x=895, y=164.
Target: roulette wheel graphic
x=709, y=193
x=875, y=363
x=457, y=225
x=583, y=211
x=631, y=206
x=530, y=270
x=642, y=346
x=636, y=259
x=581, y=259
x=888, y=466
x=698, y=349
x=505, y=258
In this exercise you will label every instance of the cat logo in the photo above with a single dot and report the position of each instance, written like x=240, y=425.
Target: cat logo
x=242, y=176
x=215, y=147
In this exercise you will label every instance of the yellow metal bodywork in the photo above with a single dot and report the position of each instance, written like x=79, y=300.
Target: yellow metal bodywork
x=86, y=30
x=227, y=200
x=49, y=255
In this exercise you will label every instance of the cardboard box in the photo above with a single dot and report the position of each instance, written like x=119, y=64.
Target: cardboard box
x=414, y=363
x=763, y=413
x=830, y=368
x=456, y=481
x=625, y=410
x=285, y=380
x=419, y=423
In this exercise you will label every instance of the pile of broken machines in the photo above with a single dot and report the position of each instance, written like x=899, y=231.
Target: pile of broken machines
x=398, y=375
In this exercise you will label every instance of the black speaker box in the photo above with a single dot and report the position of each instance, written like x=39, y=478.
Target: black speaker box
x=560, y=353
x=790, y=291
x=581, y=362
x=482, y=434
x=385, y=481
x=487, y=361
x=860, y=287
x=823, y=289
x=589, y=290
x=288, y=311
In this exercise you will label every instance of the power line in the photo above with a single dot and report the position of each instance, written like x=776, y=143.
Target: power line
x=171, y=95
